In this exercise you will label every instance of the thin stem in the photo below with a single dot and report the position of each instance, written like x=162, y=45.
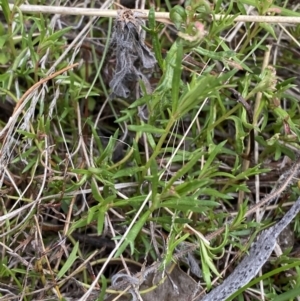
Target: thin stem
x=160, y=16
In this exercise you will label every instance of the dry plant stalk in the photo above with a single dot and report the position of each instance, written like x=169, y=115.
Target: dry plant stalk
x=160, y=16
x=132, y=55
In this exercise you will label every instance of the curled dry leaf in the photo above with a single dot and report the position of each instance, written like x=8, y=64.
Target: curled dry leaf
x=132, y=55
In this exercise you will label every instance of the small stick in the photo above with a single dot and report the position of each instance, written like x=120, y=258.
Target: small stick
x=160, y=16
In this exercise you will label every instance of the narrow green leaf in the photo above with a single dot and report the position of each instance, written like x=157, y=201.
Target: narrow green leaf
x=29, y=165
x=146, y=128
x=108, y=151
x=3, y=40
x=290, y=295
x=215, y=193
x=177, y=76
x=206, y=85
x=215, y=55
x=96, y=193
x=175, y=243
x=165, y=84
x=187, y=167
x=191, y=186
x=103, y=288
x=178, y=16
x=91, y=214
x=155, y=39
x=27, y=134
x=136, y=200
x=269, y=28
x=154, y=179
x=186, y=204
x=214, y=152
x=239, y=134
x=205, y=269
x=5, y=10
x=53, y=38
x=128, y=172
x=129, y=239
x=70, y=260
x=100, y=220
x=83, y=179
x=170, y=220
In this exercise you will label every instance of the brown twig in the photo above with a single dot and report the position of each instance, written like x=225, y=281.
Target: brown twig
x=42, y=81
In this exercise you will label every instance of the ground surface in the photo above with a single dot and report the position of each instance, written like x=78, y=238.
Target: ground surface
x=128, y=144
